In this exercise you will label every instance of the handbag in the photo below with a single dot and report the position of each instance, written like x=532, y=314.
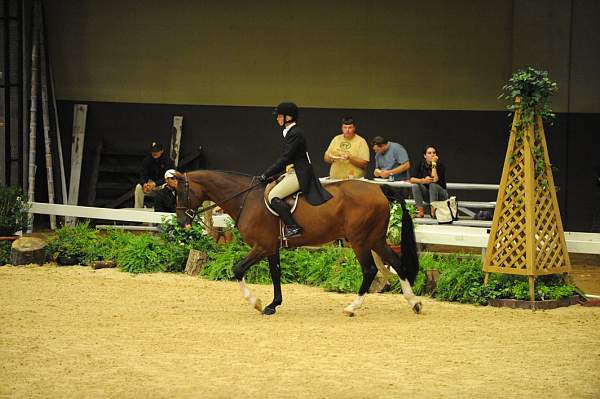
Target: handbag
x=446, y=211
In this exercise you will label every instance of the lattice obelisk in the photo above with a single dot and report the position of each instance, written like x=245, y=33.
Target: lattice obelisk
x=527, y=236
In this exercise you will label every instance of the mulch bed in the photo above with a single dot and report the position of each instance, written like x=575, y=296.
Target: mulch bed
x=542, y=305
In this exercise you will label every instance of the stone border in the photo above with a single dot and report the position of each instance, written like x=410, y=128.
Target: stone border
x=543, y=305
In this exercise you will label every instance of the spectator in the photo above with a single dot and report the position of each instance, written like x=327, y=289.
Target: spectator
x=348, y=153
x=154, y=167
x=391, y=160
x=165, y=199
x=429, y=181
x=221, y=235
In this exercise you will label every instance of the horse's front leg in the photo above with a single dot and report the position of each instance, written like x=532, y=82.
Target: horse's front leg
x=275, y=270
x=255, y=255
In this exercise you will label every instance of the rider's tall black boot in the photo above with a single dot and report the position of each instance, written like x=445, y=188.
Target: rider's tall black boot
x=283, y=209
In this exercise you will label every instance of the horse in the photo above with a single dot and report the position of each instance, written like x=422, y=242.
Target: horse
x=359, y=212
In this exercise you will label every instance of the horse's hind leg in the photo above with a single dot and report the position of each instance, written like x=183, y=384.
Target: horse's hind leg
x=369, y=271
x=275, y=270
x=391, y=258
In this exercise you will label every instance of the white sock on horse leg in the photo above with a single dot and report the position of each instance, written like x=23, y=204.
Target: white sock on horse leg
x=247, y=294
x=355, y=304
x=408, y=292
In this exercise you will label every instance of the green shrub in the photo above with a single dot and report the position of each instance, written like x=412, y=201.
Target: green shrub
x=108, y=246
x=5, y=252
x=223, y=259
x=462, y=282
x=77, y=243
x=194, y=237
x=503, y=286
x=314, y=267
x=345, y=273
x=335, y=269
x=13, y=210
x=148, y=254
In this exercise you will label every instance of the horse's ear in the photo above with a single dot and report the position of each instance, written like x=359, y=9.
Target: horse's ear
x=179, y=176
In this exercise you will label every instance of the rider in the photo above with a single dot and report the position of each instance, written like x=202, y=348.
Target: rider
x=299, y=172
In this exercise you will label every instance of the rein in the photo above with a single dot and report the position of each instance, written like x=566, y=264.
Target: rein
x=189, y=212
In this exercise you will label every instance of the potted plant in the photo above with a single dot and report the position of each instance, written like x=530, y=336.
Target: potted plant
x=394, y=232
x=13, y=211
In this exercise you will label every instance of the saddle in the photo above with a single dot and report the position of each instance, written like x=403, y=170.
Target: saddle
x=291, y=200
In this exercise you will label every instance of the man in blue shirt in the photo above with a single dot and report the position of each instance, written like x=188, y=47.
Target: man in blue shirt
x=391, y=160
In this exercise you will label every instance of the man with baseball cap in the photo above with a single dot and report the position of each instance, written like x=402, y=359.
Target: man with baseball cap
x=154, y=167
x=165, y=199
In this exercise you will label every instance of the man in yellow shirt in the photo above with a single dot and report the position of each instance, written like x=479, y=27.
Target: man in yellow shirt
x=348, y=153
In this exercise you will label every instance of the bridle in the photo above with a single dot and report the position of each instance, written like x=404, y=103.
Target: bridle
x=191, y=213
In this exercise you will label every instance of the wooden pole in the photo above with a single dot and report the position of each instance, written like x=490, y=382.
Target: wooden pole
x=63, y=180
x=176, y=139
x=25, y=82
x=33, y=110
x=79, y=120
x=530, y=247
x=46, y=119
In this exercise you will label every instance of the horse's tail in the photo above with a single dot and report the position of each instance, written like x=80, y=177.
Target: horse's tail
x=408, y=244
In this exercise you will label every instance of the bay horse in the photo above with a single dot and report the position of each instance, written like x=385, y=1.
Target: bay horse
x=359, y=212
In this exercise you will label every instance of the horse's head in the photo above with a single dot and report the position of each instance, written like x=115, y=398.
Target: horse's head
x=189, y=197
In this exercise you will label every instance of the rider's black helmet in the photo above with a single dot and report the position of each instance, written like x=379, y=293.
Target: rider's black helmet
x=287, y=108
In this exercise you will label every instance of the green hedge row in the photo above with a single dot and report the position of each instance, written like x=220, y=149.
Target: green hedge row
x=333, y=268
x=5, y=252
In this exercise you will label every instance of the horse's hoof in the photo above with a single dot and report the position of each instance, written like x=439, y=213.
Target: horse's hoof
x=268, y=311
x=417, y=308
x=258, y=305
x=348, y=313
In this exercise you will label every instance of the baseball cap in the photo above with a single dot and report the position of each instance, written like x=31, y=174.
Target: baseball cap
x=170, y=173
x=156, y=146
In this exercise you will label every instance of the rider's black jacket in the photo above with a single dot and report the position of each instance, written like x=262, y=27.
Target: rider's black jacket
x=295, y=152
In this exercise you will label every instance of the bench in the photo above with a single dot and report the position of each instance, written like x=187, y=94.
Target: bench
x=463, y=206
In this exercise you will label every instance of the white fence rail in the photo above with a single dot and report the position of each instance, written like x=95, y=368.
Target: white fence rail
x=131, y=215
x=453, y=234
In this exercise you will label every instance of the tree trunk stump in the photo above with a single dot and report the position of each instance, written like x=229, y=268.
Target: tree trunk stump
x=432, y=275
x=379, y=284
x=100, y=264
x=195, y=263
x=27, y=250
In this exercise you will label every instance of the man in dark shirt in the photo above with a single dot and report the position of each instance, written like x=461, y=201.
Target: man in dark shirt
x=154, y=167
x=428, y=181
x=165, y=199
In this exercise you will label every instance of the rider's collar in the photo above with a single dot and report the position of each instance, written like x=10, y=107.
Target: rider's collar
x=287, y=129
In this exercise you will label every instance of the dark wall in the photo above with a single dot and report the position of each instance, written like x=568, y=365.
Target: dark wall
x=472, y=144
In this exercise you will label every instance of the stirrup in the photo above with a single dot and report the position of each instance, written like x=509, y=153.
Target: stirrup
x=291, y=231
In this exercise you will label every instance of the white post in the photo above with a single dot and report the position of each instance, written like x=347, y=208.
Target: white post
x=46, y=120
x=33, y=110
x=79, y=118
x=176, y=139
